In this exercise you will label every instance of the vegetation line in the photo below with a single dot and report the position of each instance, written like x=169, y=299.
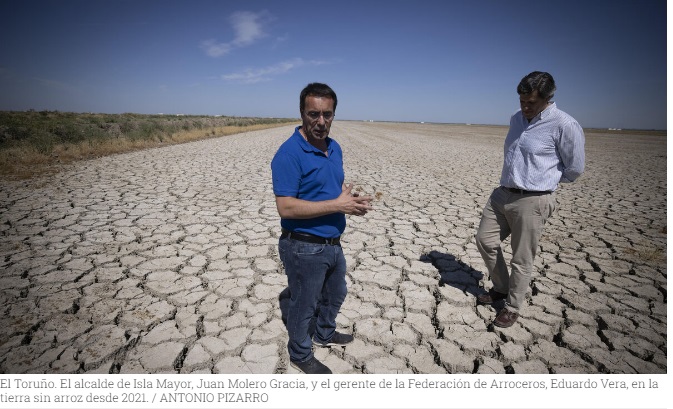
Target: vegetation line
x=34, y=143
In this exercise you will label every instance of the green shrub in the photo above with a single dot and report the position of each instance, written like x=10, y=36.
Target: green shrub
x=44, y=129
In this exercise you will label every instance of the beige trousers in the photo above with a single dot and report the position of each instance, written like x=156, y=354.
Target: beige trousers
x=521, y=215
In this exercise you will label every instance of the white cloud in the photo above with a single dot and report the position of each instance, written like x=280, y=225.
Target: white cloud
x=248, y=28
x=213, y=49
x=251, y=76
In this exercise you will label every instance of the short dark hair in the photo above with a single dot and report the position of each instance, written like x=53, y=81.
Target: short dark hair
x=316, y=89
x=539, y=81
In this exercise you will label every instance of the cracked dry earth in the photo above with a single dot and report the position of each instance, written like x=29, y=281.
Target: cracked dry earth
x=165, y=261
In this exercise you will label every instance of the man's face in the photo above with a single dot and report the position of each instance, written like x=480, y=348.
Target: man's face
x=317, y=117
x=532, y=104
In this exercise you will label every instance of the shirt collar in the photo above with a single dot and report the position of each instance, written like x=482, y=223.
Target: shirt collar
x=547, y=111
x=307, y=147
x=542, y=115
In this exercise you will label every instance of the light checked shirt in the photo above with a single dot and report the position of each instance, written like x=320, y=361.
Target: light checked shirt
x=543, y=152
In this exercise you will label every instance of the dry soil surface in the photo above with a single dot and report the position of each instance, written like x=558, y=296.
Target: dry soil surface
x=165, y=261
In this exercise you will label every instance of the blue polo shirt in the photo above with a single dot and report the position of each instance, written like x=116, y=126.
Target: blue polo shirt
x=300, y=170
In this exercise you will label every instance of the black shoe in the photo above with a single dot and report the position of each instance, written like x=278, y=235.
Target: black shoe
x=490, y=297
x=338, y=339
x=311, y=367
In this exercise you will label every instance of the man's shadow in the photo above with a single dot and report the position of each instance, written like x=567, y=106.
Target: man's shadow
x=454, y=272
x=457, y=274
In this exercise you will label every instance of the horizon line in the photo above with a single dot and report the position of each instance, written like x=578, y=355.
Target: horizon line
x=298, y=118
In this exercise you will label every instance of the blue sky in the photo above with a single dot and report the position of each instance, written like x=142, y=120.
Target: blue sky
x=434, y=61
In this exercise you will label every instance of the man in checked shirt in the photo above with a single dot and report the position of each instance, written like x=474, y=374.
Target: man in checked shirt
x=544, y=146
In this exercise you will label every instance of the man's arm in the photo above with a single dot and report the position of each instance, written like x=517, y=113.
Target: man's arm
x=571, y=150
x=347, y=203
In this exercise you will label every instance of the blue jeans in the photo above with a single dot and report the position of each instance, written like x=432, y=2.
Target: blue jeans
x=316, y=277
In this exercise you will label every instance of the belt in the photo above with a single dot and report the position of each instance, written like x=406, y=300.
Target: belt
x=524, y=192
x=310, y=238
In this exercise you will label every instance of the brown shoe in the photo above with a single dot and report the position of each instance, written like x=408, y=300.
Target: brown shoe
x=490, y=297
x=506, y=318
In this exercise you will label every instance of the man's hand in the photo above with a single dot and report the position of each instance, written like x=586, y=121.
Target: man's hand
x=352, y=203
x=347, y=203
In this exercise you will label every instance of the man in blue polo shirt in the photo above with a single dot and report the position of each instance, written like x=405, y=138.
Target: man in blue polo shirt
x=313, y=201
